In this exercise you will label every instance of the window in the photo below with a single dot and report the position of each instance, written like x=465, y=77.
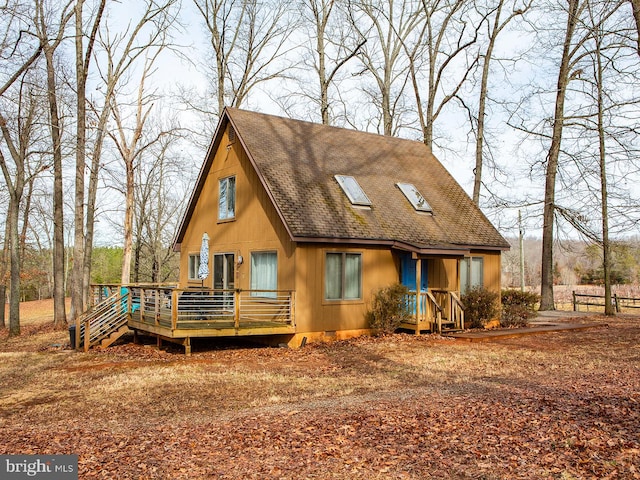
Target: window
x=471, y=273
x=343, y=276
x=227, y=199
x=194, y=264
x=415, y=197
x=264, y=274
x=353, y=190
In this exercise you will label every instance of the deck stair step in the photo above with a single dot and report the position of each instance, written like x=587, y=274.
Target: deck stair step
x=107, y=320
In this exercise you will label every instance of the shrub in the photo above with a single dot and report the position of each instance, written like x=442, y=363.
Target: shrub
x=480, y=306
x=518, y=307
x=389, y=309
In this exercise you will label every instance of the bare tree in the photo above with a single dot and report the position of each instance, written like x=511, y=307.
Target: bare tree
x=247, y=38
x=131, y=148
x=452, y=27
x=332, y=44
x=83, y=55
x=388, y=26
x=118, y=55
x=15, y=186
x=495, y=25
x=50, y=44
x=546, y=301
x=157, y=210
x=18, y=54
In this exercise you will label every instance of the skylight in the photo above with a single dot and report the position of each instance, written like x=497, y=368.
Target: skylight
x=353, y=190
x=415, y=197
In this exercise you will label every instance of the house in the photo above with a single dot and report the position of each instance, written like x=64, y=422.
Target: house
x=306, y=222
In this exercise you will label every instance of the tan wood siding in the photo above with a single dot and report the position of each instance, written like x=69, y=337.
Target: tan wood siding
x=443, y=273
x=491, y=268
x=313, y=312
x=256, y=227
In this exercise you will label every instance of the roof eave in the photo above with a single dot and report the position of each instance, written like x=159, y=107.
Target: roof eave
x=437, y=250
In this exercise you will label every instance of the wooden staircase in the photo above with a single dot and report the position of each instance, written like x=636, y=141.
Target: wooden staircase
x=106, y=321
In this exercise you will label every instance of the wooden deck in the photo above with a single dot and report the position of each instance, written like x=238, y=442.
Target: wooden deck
x=177, y=315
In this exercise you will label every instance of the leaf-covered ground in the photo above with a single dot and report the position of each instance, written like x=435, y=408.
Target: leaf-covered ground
x=559, y=405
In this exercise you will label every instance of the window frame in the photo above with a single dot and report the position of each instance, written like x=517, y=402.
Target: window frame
x=343, y=276
x=253, y=287
x=228, y=215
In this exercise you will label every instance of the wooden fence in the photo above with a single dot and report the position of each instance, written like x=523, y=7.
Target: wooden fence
x=598, y=301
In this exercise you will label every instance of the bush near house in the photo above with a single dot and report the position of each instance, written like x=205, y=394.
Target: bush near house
x=480, y=307
x=517, y=307
x=389, y=309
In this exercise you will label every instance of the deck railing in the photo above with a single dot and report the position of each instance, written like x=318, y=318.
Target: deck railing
x=425, y=310
x=201, y=308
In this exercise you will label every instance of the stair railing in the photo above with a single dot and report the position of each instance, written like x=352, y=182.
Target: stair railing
x=104, y=318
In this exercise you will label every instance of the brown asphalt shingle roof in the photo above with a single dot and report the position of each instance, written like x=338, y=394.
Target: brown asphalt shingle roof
x=297, y=161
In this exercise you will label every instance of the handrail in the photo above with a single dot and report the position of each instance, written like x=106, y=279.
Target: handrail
x=457, y=310
x=102, y=319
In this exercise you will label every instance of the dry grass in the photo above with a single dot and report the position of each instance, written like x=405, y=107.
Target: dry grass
x=560, y=405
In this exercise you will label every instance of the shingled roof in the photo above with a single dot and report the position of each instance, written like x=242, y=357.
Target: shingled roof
x=297, y=161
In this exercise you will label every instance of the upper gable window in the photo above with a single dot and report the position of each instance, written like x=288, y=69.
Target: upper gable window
x=415, y=197
x=227, y=198
x=353, y=190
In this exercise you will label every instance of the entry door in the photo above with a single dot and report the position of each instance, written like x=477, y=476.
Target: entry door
x=408, y=272
x=223, y=276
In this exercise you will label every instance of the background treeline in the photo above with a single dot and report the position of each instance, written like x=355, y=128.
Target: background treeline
x=576, y=263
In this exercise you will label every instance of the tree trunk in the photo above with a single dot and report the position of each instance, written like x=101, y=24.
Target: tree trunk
x=3, y=302
x=546, y=300
x=606, y=247
x=77, y=271
x=59, y=314
x=128, y=224
x=14, y=262
x=484, y=82
x=3, y=274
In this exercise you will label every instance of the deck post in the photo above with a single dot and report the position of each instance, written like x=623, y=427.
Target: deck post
x=87, y=334
x=418, y=294
x=157, y=306
x=141, y=308
x=236, y=310
x=174, y=309
x=292, y=308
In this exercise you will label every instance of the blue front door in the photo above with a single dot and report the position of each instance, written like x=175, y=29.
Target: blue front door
x=408, y=272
